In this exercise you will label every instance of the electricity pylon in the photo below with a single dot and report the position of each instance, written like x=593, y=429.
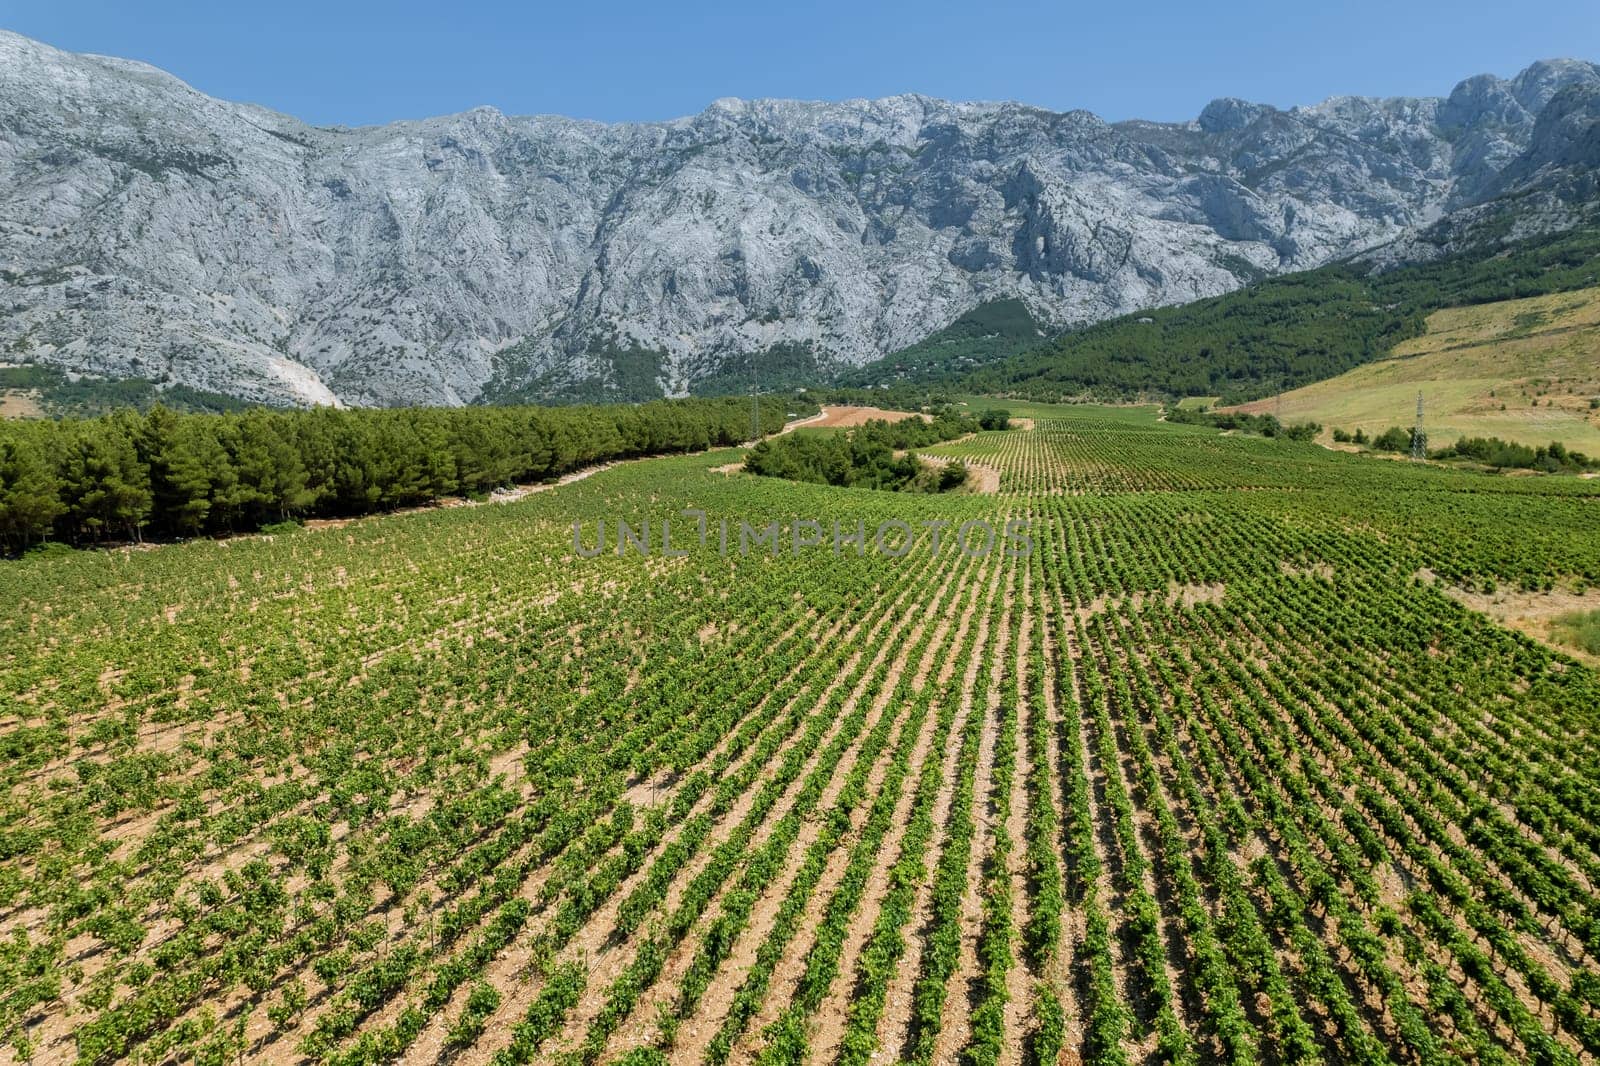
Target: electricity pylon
x=755, y=401
x=1419, y=439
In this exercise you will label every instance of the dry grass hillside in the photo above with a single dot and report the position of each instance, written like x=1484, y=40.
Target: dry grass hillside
x=1522, y=370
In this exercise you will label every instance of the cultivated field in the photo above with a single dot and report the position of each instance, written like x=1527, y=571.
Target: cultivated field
x=844, y=416
x=1218, y=772
x=1521, y=370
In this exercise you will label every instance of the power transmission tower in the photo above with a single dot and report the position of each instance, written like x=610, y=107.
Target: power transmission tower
x=1419, y=439
x=755, y=401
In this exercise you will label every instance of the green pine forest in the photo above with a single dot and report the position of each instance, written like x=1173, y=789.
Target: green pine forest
x=129, y=475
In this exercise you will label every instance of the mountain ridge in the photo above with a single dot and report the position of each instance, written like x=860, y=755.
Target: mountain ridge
x=147, y=229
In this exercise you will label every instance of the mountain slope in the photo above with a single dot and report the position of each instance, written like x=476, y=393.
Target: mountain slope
x=989, y=333
x=1284, y=332
x=1522, y=370
x=149, y=230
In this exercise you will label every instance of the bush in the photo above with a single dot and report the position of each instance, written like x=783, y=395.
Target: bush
x=1553, y=458
x=51, y=549
x=953, y=476
x=1393, y=439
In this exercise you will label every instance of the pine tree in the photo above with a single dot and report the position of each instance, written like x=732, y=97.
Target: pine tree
x=29, y=493
x=270, y=471
x=104, y=485
x=183, y=462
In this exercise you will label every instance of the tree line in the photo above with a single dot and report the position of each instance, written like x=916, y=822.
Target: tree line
x=1552, y=458
x=129, y=475
x=1263, y=425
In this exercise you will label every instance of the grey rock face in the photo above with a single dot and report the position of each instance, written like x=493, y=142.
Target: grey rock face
x=1564, y=149
x=148, y=229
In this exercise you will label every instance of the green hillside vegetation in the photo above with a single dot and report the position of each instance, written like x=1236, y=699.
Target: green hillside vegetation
x=45, y=391
x=1524, y=371
x=781, y=368
x=988, y=333
x=637, y=375
x=1282, y=332
x=632, y=375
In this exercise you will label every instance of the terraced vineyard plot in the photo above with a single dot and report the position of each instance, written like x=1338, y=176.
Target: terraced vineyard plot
x=1209, y=775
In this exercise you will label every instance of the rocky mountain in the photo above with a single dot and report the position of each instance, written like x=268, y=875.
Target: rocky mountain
x=1538, y=137
x=147, y=229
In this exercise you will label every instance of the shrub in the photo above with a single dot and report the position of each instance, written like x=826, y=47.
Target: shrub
x=1581, y=629
x=1393, y=439
x=1553, y=458
x=953, y=476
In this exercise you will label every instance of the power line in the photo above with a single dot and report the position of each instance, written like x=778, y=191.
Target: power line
x=755, y=400
x=1419, y=439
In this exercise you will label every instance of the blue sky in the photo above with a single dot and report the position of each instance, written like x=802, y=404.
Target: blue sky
x=355, y=61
